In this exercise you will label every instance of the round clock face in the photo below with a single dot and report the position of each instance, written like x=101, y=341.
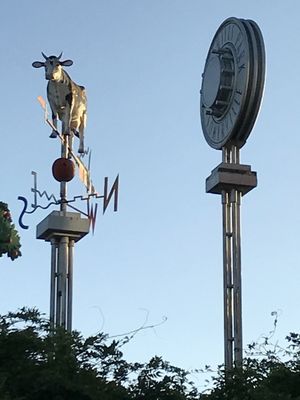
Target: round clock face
x=232, y=83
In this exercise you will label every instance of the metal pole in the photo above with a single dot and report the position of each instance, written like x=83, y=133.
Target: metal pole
x=70, y=285
x=63, y=265
x=63, y=185
x=227, y=281
x=231, y=201
x=235, y=199
x=60, y=227
x=227, y=269
x=232, y=180
x=237, y=279
x=59, y=289
x=61, y=302
x=53, y=281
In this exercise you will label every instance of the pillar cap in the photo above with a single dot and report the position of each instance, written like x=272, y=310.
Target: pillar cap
x=62, y=223
x=227, y=177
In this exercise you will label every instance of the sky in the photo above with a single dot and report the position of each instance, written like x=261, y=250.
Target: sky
x=159, y=258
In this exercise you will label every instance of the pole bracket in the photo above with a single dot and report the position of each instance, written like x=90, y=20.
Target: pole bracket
x=227, y=177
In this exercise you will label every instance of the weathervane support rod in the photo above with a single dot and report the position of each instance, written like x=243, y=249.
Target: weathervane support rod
x=70, y=285
x=63, y=185
x=62, y=229
x=53, y=275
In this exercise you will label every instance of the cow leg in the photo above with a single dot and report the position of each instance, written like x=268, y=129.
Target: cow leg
x=65, y=128
x=65, y=123
x=54, y=122
x=75, y=127
x=71, y=139
x=76, y=132
x=81, y=143
x=81, y=134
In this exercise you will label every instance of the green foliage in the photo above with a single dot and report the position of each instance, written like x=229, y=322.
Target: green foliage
x=37, y=364
x=268, y=373
x=9, y=238
x=160, y=380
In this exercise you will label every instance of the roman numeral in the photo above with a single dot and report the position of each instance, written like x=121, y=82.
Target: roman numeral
x=240, y=56
x=241, y=67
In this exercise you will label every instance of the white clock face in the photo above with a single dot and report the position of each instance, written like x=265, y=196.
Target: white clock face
x=232, y=83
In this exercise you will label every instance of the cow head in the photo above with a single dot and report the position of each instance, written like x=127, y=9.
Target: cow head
x=53, y=66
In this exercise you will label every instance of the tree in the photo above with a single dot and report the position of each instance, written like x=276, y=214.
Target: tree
x=37, y=363
x=9, y=238
x=269, y=372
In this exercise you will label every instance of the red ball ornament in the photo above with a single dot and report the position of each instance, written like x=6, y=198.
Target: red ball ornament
x=63, y=169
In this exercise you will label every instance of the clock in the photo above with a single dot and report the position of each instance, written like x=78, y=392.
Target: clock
x=232, y=83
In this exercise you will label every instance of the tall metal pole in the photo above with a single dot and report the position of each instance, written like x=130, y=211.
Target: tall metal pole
x=227, y=271
x=70, y=285
x=231, y=200
x=227, y=281
x=237, y=278
x=63, y=185
x=63, y=266
x=59, y=291
x=62, y=229
x=53, y=275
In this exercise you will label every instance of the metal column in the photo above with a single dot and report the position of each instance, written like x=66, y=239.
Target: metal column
x=237, y=278
x=231, y=200
x=61, y=311
x=232, y=180
x=62, y=229
x=70, y=285
x=53, y=275
x=227, y=280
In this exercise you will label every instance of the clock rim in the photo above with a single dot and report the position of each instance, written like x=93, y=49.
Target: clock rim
x=254, y=84
x=259, y=67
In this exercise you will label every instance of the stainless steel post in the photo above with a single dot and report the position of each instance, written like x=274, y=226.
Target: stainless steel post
x=63, y=265
x=237, y=279
x=53, y=274
x=63, y=185
x=227, y=281
x=70, y=285
x=62, y=252
x=62, y=228
x=59, y=289
x=231, y=200
x=227, y=269
x=235, y=199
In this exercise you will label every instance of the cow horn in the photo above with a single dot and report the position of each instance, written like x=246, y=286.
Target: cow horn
x=45, y=57
x=60, y=56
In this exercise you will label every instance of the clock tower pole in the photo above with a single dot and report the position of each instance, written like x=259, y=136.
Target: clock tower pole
x=231, y=93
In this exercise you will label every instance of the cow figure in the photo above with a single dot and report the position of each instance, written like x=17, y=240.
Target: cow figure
x=67, y=99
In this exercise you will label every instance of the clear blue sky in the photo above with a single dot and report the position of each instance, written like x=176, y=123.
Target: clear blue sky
x=161, y=254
